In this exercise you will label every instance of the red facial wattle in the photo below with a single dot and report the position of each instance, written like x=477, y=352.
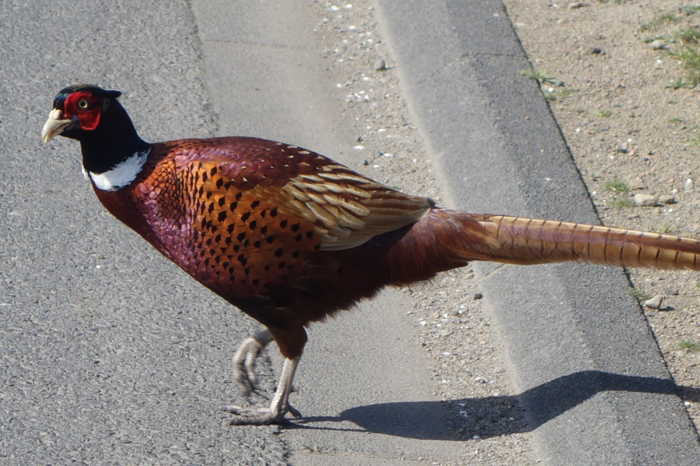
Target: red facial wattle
x=85, y=107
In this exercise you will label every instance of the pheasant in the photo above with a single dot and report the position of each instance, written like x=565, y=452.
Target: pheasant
x=291, y=237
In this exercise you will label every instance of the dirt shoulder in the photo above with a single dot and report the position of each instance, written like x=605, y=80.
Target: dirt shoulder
x=619, y=78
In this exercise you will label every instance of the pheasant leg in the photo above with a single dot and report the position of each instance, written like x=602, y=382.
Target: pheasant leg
x=279, y=406
x=244, y=361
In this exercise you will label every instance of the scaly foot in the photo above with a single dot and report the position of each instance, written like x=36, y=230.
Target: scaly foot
x=279, y=406
x=244, y=362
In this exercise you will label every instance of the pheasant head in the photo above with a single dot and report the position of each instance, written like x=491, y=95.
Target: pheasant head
x=95, y=117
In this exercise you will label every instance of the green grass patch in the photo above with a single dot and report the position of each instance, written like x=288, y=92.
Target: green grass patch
x=622, y=203
x=542, y=78
x=690, y=9
x=665, y=18
x=604, y=114
x=679, y=84
x=639, y=295
x=688, y=36
x=534, y=74
x=688, y=345
x=552, y=94
x=695, y=141
x=617, y=186
x=690, y=60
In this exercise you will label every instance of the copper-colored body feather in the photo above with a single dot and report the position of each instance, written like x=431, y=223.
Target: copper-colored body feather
x=290, y=237
x=266, y=226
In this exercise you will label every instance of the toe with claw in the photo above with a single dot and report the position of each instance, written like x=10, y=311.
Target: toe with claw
x=279, y=406
x=259, y=416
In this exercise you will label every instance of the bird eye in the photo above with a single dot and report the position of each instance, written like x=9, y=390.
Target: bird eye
x=83, y=104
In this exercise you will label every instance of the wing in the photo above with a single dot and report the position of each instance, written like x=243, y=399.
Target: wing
x=344, y=208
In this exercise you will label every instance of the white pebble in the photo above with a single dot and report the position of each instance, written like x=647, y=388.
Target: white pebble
x=655, y=302
x=645, y=200
x=688, y=185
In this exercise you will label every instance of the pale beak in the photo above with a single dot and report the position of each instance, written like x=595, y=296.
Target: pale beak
x=53, y=126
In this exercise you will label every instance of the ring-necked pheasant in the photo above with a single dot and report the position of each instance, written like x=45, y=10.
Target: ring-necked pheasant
x=289, y=236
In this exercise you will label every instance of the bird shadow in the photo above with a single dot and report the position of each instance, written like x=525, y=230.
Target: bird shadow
x=494, y=415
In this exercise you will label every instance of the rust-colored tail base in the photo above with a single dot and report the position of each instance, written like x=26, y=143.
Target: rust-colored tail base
x=444, y=239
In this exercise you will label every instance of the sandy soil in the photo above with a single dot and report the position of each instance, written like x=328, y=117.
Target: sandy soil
x=623, y=102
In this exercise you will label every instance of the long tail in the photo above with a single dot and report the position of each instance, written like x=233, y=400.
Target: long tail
x=444, y=239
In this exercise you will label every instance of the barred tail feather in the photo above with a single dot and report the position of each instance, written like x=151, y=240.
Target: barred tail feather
x=530, y=241
x=444, y=239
